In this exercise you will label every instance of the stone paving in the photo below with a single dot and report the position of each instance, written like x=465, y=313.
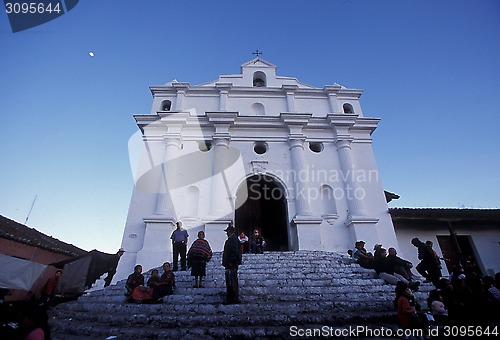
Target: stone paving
x=278, y=290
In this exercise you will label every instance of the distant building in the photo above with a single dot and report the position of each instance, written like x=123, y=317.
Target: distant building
x=23, y=242
x=457, y=234
x=27, y=243
x=263, y=151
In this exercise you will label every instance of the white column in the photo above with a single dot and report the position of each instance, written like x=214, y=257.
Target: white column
x=299, y=166
x=353, y=191
x=219, y=191
x=164, y=204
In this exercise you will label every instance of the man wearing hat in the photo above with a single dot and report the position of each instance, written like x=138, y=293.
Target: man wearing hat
x=362, y=257
x=231, y=259
x=112, y=264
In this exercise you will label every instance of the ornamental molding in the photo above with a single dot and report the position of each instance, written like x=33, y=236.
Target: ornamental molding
x=259, y=166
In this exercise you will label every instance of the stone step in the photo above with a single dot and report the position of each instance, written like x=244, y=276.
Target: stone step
x=86, y=311
x=257, y=331
x=277, y=290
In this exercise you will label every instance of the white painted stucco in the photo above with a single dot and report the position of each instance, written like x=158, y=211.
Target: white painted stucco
x=232, y=115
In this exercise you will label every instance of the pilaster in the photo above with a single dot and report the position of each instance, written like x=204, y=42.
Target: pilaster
x=290, y=96
x=224, y=91
x=308, y=232
x=182, y=89
x=157, y=246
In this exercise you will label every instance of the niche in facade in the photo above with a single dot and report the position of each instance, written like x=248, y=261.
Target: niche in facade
x=166, y=105
x=348, y=108
x=259, y=79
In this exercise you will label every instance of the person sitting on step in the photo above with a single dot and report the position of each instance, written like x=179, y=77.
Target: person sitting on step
x=166, y=285
x=385, y=273
x=398, y=265
x=362, y=257
x=258, y=243
x=243, y=242
x=134, y=280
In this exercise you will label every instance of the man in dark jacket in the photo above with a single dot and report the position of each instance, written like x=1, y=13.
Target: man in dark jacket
x=398, y=265
x=231, y=259
x=428, y=267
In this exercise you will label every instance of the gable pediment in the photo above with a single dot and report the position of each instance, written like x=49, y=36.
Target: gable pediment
x=257, y=63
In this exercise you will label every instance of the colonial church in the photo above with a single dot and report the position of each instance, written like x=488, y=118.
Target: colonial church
x=261, y=151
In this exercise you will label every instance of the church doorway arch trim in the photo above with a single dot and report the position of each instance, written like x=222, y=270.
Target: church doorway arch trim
x=267, y=207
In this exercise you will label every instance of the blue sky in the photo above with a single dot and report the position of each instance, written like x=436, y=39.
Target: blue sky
x=429, y=69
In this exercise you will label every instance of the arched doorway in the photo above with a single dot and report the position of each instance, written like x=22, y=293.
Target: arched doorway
x=264, y=209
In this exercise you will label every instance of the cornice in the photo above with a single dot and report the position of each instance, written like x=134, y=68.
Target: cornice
x=165, y=91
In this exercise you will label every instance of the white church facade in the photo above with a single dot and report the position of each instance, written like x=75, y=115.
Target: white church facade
x=261, y=151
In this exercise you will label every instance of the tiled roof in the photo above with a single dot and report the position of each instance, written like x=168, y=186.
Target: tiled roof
x=18, y=232
x=489, y=215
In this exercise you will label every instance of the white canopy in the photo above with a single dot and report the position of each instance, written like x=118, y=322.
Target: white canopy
x=17, y=273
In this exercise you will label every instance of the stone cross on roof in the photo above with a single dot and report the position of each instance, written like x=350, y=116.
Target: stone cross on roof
x=257, y=53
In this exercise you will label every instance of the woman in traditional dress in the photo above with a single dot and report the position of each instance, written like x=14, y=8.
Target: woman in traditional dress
x=198, y=256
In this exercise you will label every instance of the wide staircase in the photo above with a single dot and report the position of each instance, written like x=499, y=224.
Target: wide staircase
x=278, y=290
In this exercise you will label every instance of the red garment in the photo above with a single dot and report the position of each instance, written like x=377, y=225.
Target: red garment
x=50, y=286
x=142, y=293
x=405, y=318
x=36, y=334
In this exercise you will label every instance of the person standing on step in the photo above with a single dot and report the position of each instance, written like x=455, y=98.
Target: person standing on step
x=49, y=289
x=428, y=266
x=112, y=264
x=179, y=246
x=198, y=256
x=231, y=259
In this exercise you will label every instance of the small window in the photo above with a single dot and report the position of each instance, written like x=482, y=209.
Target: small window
x=259, y=79
x=258, y=109
x=204, y=146
x=316, y=147
x=260, y=148
x=348, y=108
x=166, y=105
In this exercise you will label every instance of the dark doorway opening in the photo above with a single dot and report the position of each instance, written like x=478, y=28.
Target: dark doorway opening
x=457, y=253
x=263, y=209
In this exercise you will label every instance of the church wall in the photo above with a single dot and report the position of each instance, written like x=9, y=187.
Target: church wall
x=198, y=205
x=356, y=105
x=374, y=203
x=273, y=105
x=156, y=106
x=201, y=103
x=318, y=106
x=141, y=205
